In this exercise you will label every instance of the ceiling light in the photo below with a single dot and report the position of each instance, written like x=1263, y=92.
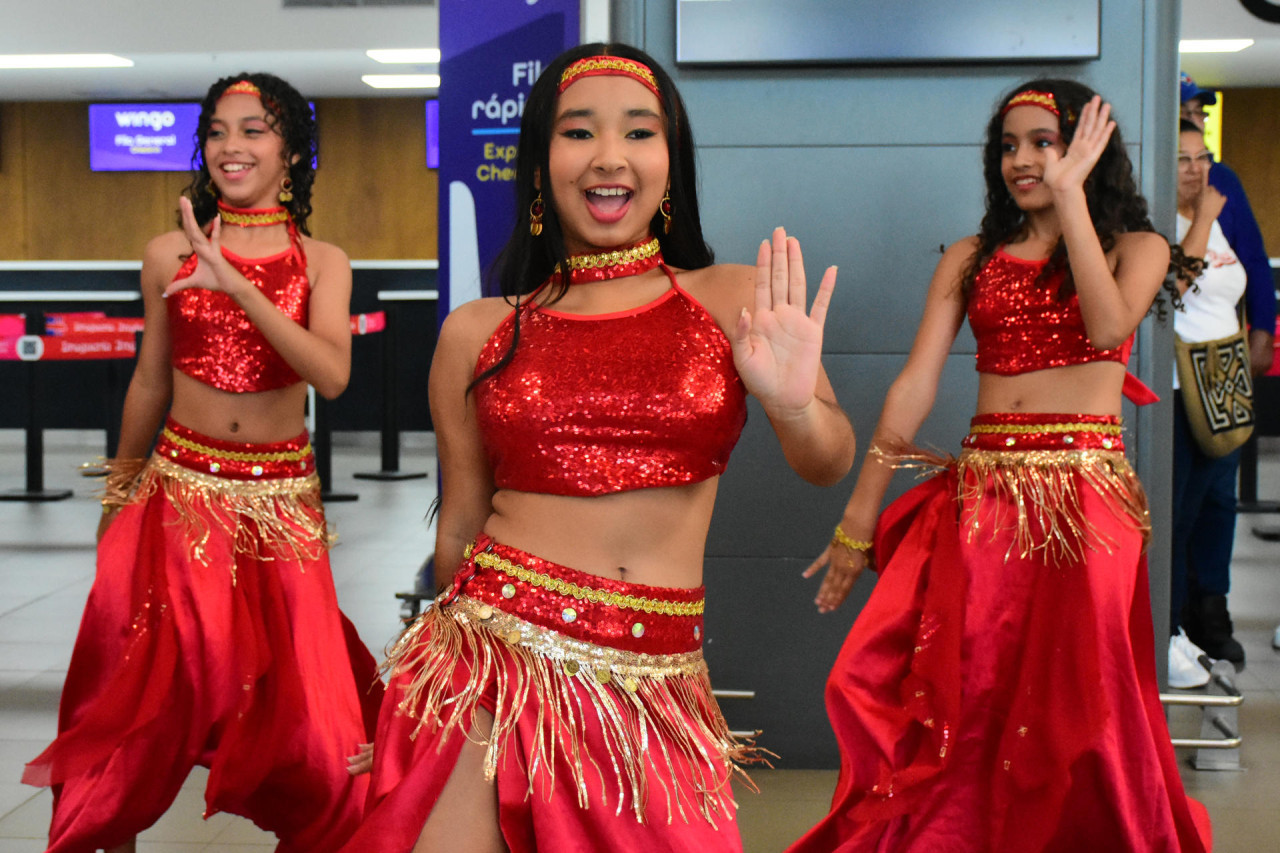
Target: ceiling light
x=1213, y=45
x=409, y=55
x=402, y=81
x=63, y=60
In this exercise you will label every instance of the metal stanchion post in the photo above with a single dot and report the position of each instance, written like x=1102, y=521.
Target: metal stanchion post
x=390, y=431
x=322, y=443
x=35, y=490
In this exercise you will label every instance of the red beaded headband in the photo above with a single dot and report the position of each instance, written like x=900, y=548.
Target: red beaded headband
x=596, y=66
x=241, y=87
x=248, y=87
x=1032, y=98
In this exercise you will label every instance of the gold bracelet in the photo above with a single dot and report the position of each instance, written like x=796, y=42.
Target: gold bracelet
x=842, y=538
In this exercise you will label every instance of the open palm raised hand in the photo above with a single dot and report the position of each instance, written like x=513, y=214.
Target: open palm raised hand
x=1070, y=171
x=777, y=347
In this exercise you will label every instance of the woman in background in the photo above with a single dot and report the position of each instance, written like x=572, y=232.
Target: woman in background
x=1204, y=486
x=212, y=634
x=997, y=692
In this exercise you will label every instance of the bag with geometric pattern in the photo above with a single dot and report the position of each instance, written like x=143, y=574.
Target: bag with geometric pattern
x=1217, y=391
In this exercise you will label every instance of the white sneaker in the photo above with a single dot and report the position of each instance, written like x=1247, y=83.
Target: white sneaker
x=1275, y=638
x=1185, y=669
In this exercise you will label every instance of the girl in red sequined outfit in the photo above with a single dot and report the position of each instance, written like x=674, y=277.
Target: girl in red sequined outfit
x=212, y=634
x=555, y=696
x=998, y=691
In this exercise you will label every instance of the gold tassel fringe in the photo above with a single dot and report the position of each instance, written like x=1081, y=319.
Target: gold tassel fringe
x=643, y=704
x=264, y=518
x=1041, y=489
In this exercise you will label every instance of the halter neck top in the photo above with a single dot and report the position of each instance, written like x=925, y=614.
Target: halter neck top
x=1021, y=325
x=598, y=404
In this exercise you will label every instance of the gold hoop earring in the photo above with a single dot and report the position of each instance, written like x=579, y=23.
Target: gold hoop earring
x=665, y=209
x=535, y=215
x=286, y=190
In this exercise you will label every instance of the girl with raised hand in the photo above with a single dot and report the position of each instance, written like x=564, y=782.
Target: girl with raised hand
x=212, y=634
x=998, y=690
x=555, y=696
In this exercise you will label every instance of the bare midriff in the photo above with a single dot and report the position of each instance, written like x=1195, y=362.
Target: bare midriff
x=1088, y=389
x=256, y=417
x=648, y=536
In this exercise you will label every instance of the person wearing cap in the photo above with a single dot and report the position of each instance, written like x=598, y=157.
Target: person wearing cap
x=1206, y=618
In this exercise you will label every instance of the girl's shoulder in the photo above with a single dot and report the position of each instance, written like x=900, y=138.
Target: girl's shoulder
x=321, y=253
x=1142, y=246
x=722, y=289
x=164, y=256
x=472, y=323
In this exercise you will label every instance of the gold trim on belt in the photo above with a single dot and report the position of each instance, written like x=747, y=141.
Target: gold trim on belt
x=584, y=593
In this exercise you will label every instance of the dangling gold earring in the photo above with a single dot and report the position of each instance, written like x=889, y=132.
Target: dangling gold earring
x=286, y=190
x=665, y=209
x=535, y=215
x=211, y=189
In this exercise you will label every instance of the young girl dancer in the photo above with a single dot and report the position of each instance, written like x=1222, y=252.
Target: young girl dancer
x=555, y=697
x=212, y=635
x=998, y=690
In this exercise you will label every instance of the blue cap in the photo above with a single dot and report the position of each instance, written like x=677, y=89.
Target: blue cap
x=1191, y=90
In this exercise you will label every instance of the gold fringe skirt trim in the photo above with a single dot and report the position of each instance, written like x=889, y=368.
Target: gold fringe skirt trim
x=649, y=709
x=265, y=519
x=1038, y=494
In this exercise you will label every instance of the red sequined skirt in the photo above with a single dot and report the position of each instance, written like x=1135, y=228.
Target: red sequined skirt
x=605, y=733
x=998, y=690
x=212, y=636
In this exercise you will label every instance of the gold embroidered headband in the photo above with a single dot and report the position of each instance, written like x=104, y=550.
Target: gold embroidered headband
x=1033, y=98
x=598, y=66
x=241, y=87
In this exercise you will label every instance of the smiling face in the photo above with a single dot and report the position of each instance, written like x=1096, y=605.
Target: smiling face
x=244, y=152
x=1029, y=132
x=608, y=164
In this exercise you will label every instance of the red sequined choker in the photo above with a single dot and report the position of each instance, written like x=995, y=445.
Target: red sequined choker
x=618, y=263
x=251, y=217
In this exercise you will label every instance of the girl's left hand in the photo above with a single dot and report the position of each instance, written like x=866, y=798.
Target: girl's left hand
x=1069, y=171
x=777, y=348
x=208, y=248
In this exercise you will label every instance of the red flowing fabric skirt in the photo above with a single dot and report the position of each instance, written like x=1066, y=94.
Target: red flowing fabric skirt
x=605, y=734
x=998, y=691
x=212, y=636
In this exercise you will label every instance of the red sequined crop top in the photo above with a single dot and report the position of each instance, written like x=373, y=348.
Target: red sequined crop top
x=213, y=339
x=1021, y=325
x=597, y=404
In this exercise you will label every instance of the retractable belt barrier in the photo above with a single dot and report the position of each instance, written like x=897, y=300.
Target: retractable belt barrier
x=93, y=336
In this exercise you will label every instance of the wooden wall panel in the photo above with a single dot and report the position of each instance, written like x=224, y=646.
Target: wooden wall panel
x=71, y=211
x=13, y=242
x=374, y=195
x=1251, y=146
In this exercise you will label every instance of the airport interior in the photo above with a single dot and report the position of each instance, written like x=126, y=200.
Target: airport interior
x=872, y=157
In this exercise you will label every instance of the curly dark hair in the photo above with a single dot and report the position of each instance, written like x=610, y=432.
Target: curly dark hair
x=1115, y=205
x=290, y=115
x=525, y=262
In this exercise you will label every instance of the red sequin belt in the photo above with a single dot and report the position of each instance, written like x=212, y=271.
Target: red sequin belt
x=1044, y=431
x=235, y=460
x=650, y=620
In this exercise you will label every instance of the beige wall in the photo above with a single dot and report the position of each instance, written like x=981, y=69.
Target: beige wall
x=1251, y=146
x=374, y=195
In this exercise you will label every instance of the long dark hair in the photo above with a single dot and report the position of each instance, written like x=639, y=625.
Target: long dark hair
x=1115, y=205
x=290, y=115
x=526, y=261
